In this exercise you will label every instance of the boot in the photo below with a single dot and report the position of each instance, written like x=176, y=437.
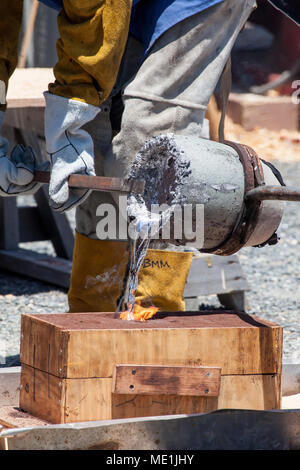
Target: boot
x=98, y=270
x=162, y=279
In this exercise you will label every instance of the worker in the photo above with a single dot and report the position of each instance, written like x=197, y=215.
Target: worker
x=126, y=70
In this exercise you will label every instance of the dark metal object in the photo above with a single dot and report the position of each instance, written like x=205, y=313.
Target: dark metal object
x=268, y=193
x=218, y=430
x=97, y=183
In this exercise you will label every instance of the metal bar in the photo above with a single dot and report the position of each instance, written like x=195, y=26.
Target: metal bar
x=97, y=183
x=280, y=193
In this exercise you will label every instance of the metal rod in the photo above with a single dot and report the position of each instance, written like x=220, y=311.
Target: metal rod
x=280, y=193
x=97, y=183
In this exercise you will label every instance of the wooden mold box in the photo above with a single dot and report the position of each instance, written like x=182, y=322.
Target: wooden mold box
x=90, y=366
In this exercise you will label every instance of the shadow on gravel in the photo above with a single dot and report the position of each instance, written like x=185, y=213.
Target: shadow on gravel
x=21, y=285
x=11, y=361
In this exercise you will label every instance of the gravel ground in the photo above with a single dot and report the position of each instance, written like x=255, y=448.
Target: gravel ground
x=273, y=274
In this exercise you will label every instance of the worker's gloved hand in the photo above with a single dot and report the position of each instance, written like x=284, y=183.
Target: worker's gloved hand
x=17, y=171
x=70, y=148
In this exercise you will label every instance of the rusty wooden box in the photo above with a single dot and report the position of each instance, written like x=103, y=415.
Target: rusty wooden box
x=90, y=366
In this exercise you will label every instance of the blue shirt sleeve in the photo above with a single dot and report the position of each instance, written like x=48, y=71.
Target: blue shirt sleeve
x=151, y=18
x=55, y=4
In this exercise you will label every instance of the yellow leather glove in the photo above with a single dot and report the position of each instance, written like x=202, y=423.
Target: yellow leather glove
x=99, y=267
x=162, y=279
x=10, y=26
x=93, y=36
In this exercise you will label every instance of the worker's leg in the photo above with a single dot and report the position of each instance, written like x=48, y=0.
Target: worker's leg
x=169, y=93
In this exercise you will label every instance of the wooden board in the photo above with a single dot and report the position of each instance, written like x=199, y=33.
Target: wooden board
x=75, y=400
x=211, y=274
x=90, y=345
x=50, y=269
x=26, y=114
x=255, y=392
x=29, y=83
x=270, y=112
x=163, y=380
x=25, y=100
x=64, y=400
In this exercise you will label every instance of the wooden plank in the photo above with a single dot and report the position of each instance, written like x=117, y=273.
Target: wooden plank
x=210, y=274
x=64, y=400
x=252, y=392
x=43, y=346
x=42, y=394
x=53, y=270
x=25, y=101
x=94, y=343
x=136, y=406
x=164, y=380
x=87, y=399
x=76, y=400
x=270, y=112
x=29, y=83
x=25, y=114
x=235, y=350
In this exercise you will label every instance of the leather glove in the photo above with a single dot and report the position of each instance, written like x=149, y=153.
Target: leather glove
x=17, y=171
x=70, y=148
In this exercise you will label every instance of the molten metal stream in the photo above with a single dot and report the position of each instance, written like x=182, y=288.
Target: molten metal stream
x=145, y=227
